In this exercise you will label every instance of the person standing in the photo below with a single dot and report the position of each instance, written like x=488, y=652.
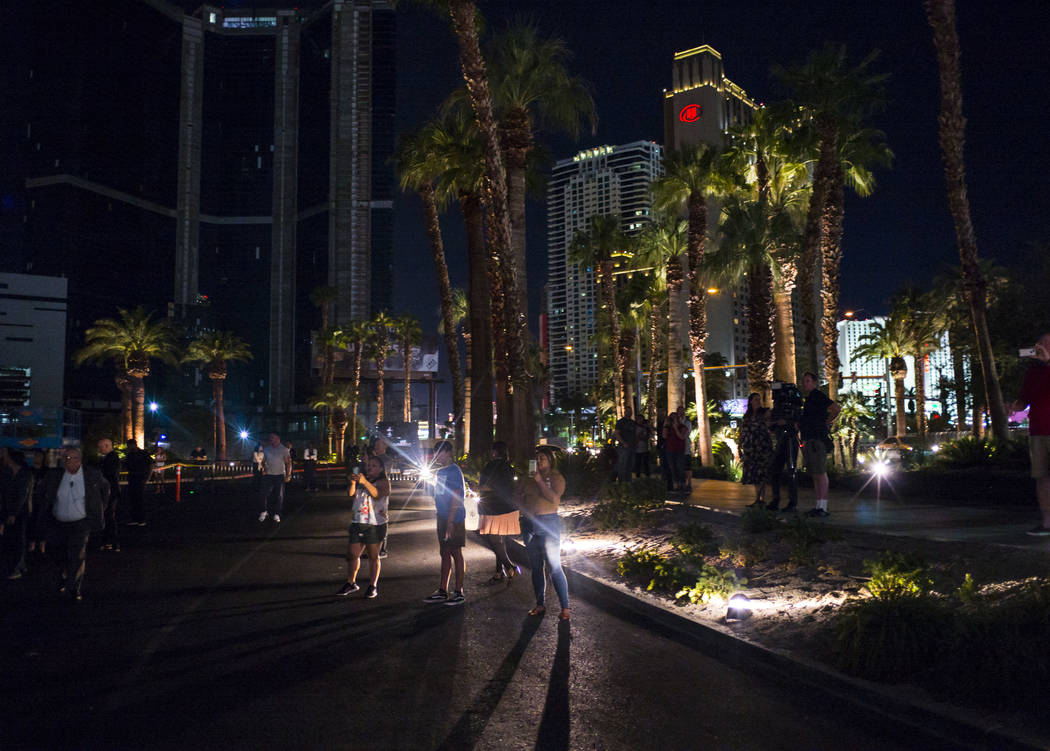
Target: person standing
x=756, y=448
x=40, y=515
x=17, y=508
x=1035, y=394
x=641, y=447
x=626, y=436
x=76, y=495
x=277, y=472
x=160, y=460
x=675, y=436
x=138, y=463
x=199, y=456
x=371, y=494
x=379, y=448
x=543, y=492
x=687, y=452
x=818, y=412
x=310, y=468
x=499, y=514
x=448, y=490
x=258, y=462
x=109, y=465
x=661, y=450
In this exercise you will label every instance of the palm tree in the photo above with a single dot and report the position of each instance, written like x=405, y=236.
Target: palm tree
x=691, y=176
x=356, y=334
x=461, y=319
x=408, y=333
x=418, y=166
x=379, y=346
x=889, y=340
x=597, y=247
x=531, y=86
x=850, y=425
x=322, y=297
x=131, y=340
x=215, y=349
x=833, y=95
x=336, y=397
x=952, y=132
x=456, y=141
x=923, y=327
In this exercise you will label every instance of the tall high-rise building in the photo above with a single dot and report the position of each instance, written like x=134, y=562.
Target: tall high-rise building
x=605, y=180
x=701, y=105
x=224, y=162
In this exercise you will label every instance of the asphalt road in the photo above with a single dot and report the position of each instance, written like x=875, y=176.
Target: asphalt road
x=212, y=630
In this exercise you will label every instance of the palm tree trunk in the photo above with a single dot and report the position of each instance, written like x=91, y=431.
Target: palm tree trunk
x=379, y=389
x=760, y=335
x=516, y=142
x=784, y=366
x=609, y=298
x=952, y=133
x=831, y=262
x=437, y=249
x=464, y=24
x=654, y=359
x=677, y=326
x=358, y=356
x=959, y=375
x=138, y=389
x=898, y=396
x=698, y=317
x=127, y=430
x=339, y=424
x=218, y=396
x=479, y=362
x=406, y=353
x=810, y=267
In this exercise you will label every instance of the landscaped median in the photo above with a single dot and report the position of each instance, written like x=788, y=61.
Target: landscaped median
x=960, y=624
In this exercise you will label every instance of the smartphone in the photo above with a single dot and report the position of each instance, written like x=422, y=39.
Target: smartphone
x=1027, y=352
x=532, y=466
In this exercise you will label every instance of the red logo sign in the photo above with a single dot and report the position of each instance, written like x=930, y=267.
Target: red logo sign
x=690, y=113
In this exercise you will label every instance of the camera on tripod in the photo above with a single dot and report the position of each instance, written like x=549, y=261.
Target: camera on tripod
x=787, y=402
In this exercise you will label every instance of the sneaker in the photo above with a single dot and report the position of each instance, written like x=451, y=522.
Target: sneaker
x=789, y=509
x=382, y=554
x=264, y=516
x=439, y=595
x=276, y=518
x=348, y=588
x=1039, y=531
x=456, y=598
x=17, y=574
x=372, y=591
x=818, y=513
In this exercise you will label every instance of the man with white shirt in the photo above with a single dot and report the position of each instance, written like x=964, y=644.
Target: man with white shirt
x=76, y=496
x=277, y=470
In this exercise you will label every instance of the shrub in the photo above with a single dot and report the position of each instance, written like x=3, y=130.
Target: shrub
x=582, y=474
x=694, y=539
x=895, y=575
x=648, y=492
x=757, y=519
x=664, y=574
x=890, y=638
x=970, y=451
x=968, y=592
x=712, y=582
x=745, y=551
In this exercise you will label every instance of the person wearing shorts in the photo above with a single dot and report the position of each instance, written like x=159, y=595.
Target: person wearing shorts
x=448, y=490
x=818, y=412
x=1035, y=394
x=371, y=494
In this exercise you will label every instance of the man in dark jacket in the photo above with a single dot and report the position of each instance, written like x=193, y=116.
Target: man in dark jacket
x=109, y=464
x=76, y=496
x=139, y=464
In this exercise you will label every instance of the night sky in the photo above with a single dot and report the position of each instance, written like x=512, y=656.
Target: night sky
x=902, y=233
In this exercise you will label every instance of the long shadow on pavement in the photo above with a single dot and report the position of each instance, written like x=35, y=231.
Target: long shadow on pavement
x=554, y=727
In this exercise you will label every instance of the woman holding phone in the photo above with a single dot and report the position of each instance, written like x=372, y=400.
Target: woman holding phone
x=542, y=494
x=371, y=494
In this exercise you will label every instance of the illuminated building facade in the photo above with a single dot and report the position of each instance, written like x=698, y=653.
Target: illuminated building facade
x=604, y=180
x=228, y=160
x=871, y=377
x=700, y=107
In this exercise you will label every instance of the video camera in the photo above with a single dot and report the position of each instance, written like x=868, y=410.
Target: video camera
x=787, y=402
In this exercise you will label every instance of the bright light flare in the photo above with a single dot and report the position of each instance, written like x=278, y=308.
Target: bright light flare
x=935, y=448
x=881, y=469
x=243, y=434
x=426, y=474
x=153, y=406
x=739, y=608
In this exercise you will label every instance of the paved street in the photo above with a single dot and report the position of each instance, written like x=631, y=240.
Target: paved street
x=212, y=630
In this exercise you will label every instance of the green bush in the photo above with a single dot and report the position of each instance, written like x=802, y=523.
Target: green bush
x=664, y=574
x=757, y=519
x=968, y=592
x=970, y=451
x=649, y=492
x=694, y=539
x=745, y=551
x=891, y=638
x=895, y=575
x=583, y=477
x=711, y=582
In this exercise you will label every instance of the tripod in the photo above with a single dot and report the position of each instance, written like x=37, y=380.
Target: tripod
x=785, y=456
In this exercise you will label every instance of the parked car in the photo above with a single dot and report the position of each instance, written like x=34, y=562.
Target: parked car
x=894, y=448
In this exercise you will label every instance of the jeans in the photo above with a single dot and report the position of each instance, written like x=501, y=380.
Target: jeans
x=72, y=539
x=272, y=485
x=676, y=464
x=543, y=545
x=109, y=533
x=785, y=455
x=624, y=463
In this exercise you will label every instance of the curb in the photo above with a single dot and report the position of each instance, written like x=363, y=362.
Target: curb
x=938, y=722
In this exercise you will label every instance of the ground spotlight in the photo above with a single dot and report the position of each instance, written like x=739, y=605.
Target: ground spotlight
x=153, y=406
x=881, y=468
x=935, y=448
x=739, y=608
x=243, y=434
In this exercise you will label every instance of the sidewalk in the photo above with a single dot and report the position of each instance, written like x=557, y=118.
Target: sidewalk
x=879, y=511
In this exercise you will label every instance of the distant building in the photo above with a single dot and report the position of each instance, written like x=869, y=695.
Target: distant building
x=32, y=340
x=604, y=180
x=871, y=377
x=700, y=107
x=224, y=162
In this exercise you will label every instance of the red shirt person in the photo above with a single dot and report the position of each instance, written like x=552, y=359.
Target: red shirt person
x=1035, y=394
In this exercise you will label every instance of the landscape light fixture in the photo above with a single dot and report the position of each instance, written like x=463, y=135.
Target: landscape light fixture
x=881, y=468
x=243, y=434
x=739, y=608
x=153, y=406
